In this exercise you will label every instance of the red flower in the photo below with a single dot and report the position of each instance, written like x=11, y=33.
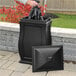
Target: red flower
x=2, y=18
x=6, y=19
x=19, y=2
x=14, y=6
x=26, y=14
x=45, y=5
x=0, y=11
x=14, y=15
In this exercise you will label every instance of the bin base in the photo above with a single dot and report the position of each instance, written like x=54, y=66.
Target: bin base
x=25, y=62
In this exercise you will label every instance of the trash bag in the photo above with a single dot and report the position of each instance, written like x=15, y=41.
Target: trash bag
x=35, y=14
x=34, y=31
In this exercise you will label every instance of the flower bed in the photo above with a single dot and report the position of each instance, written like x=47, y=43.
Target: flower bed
x=14, y=14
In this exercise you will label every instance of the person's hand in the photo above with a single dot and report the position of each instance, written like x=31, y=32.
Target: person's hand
x=32, y=3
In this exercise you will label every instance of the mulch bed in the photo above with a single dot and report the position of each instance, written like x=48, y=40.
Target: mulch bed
x=50, y=15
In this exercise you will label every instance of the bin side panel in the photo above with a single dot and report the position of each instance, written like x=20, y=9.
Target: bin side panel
x=32, y=37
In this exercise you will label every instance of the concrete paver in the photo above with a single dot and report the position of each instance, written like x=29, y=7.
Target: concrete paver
x=30, y=73
x=61, y=73
x=16, y=66
x=70, y=67
x=5, y=53
x=14, y=57
x=1, y=56
x=10, y=66
x=7, y=64
x=5, y=72
x=2, y=62
x=17, y=74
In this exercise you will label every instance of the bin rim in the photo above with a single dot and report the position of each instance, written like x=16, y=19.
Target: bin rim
x=26, y=20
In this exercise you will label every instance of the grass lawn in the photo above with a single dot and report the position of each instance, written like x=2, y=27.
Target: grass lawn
x=64, y=21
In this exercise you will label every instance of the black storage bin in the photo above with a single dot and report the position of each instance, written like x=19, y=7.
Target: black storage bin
x=47, y=58
x=33, y=32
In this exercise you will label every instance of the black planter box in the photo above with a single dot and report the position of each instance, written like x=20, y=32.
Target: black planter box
x=32, y=33
x=46, y=58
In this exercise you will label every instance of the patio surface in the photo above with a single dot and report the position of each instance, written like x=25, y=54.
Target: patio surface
x=10, y=66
